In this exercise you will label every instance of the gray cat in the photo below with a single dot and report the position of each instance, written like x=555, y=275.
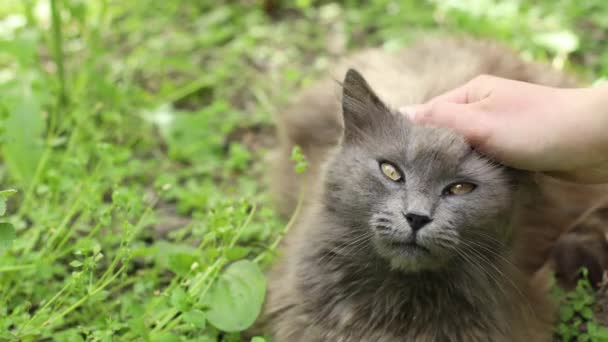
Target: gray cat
x=408, y=233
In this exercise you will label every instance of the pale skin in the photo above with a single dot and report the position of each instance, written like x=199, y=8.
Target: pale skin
x=562, y=132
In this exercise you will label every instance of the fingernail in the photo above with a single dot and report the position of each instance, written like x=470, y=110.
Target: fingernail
x=409, y=111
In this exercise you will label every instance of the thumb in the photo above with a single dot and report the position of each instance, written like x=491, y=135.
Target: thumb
x=465, y=119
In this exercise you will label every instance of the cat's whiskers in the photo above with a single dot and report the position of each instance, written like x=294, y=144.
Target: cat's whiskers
x=473, y=247
x=501, y=244
x=352, y=246
x=487, y=236
x=471, y=254
x=473, y=251
x=484, y=236
x=486, y=247
x=479, y=265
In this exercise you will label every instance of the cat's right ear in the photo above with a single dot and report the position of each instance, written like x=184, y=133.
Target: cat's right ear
x=361, y=107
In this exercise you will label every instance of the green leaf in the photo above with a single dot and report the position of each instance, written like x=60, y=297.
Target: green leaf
x=7, y=234
x=179, y=299
x=298, y=157
x=76, y=263
x=180, y=263
x=4, y=194
x=237, y=297
x=566, y=313
x=583, y=338
x=196, y=318
x=22, y=132
x=7, y=193
x=258, y=339
x=138, y=326
x=71, y=335
x=168, y=337
x=24, y=47
x=239, y=157
x=597, y=332
x=236, y=252
x=587, y=313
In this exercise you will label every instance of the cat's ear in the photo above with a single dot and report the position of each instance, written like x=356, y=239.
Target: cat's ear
x=361, y=107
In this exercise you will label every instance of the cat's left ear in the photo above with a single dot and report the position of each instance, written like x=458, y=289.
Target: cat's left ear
x=361, y=107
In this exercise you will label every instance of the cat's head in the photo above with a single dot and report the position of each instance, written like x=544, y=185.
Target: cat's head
x=419, y=196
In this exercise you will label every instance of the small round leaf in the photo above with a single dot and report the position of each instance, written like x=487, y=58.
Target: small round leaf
x=236, y=299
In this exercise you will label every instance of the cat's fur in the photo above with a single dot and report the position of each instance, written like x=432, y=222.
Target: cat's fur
x=585, y=245
x=336, y=279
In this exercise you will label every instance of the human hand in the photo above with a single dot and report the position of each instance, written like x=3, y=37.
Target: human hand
x=563, y=132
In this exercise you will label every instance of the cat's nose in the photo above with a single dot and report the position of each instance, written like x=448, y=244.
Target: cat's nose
x=416, y=220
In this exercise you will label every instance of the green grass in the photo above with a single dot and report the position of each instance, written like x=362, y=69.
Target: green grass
x=576, y=318
x=134, y=134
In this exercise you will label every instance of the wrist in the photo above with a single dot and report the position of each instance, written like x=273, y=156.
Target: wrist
x=589, y=128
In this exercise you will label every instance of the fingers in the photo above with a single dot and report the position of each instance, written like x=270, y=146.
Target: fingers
x=459, y=109
x=466, y=119
x=475, y=90
x=457, y=95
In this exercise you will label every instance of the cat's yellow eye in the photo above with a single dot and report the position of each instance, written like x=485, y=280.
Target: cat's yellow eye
x=460, y=188
x=391, y=171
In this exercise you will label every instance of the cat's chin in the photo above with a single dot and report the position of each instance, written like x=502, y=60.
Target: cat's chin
x=412, y=265
x=408, y=257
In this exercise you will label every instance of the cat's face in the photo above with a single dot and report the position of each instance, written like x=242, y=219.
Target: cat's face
x=419, y=195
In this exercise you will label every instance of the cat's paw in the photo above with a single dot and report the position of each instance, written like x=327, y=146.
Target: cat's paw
x=584, y=246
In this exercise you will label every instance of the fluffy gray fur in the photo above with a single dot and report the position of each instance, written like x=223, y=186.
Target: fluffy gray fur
x=349, y=271
x=372, y=208
x=362, y=213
